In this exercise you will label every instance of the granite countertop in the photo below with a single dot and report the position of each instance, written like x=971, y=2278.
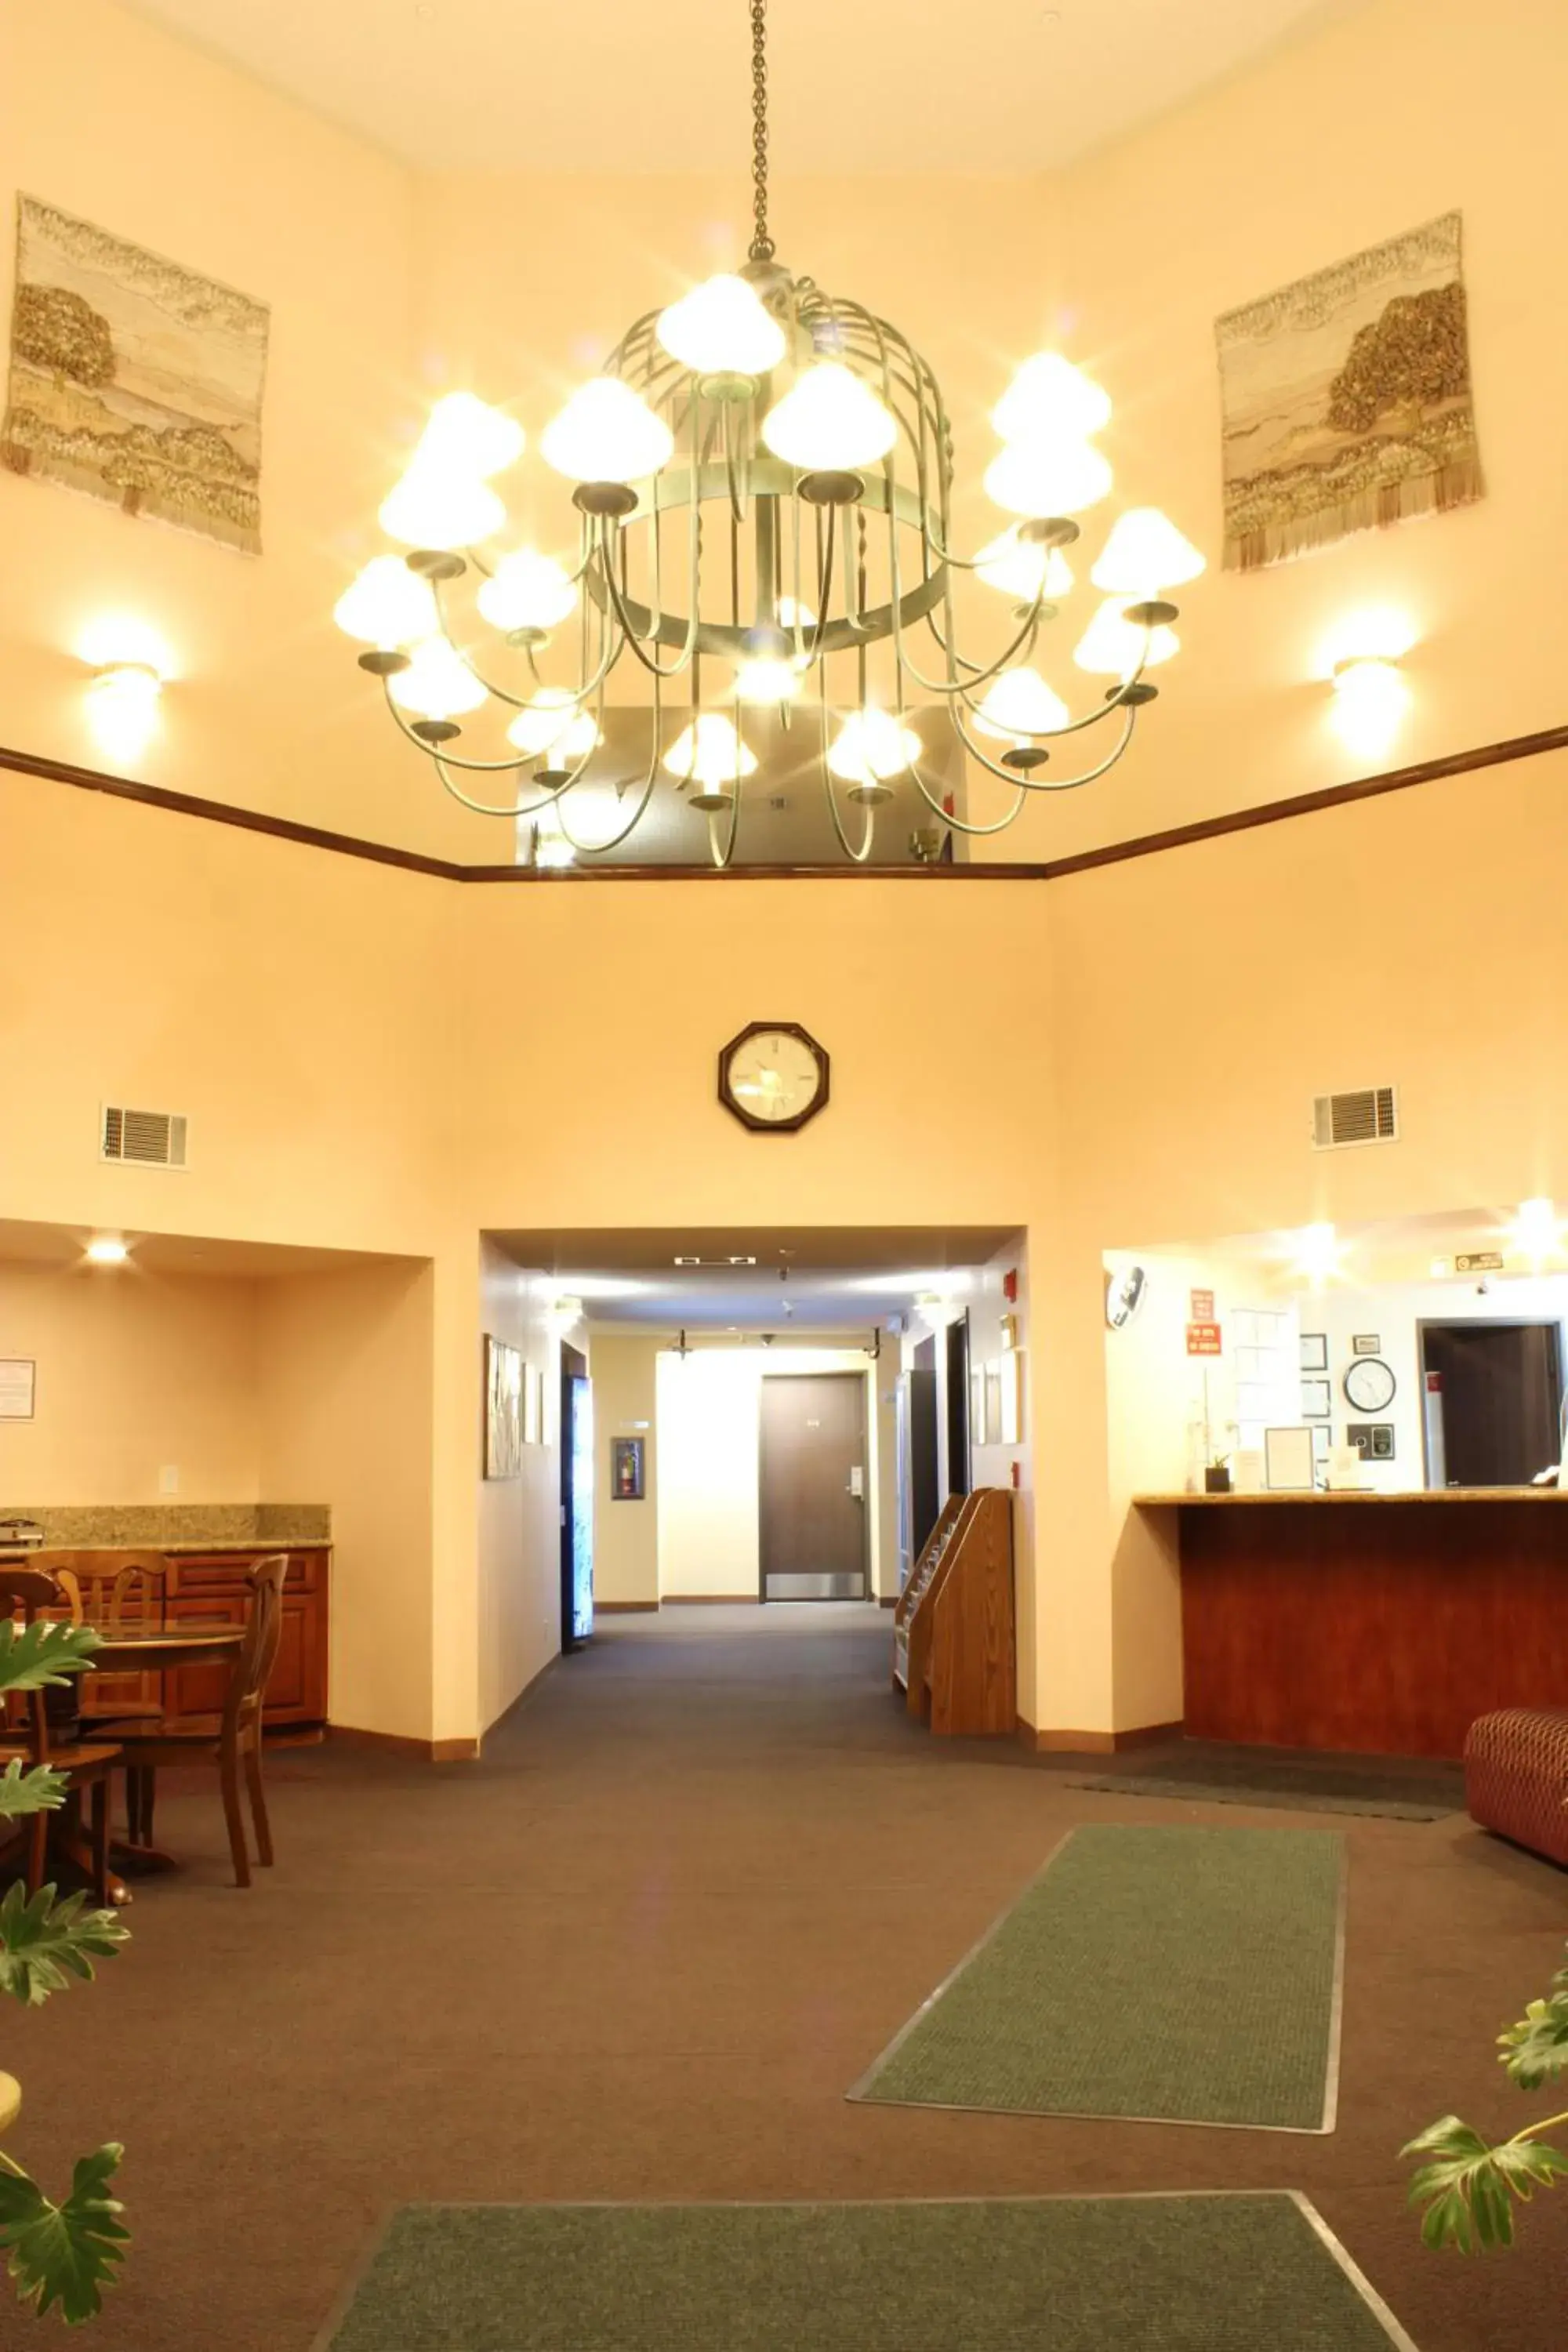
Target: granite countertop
x=191, y=1548
x=1275, y=1496
x=168, y=1527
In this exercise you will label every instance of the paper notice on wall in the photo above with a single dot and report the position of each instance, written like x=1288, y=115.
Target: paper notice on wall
x=1201, y=1305
x=18, y=1376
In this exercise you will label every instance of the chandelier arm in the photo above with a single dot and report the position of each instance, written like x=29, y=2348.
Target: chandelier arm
x=501, y=694
x=473, y=767
x=484, y=808
x=602, y=848
x=1064, y=783
x=961, y=824
x=858, y=856
x=1022, y=644
x=617, y=595
x=723, y=858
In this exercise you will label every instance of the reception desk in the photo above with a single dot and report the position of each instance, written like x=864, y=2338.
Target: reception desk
x=1378, y=1623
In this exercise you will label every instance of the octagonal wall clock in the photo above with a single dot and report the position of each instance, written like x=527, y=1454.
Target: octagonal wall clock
x=772, y=1077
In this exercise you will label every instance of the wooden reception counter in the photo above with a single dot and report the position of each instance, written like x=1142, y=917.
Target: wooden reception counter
x=1383, y=1623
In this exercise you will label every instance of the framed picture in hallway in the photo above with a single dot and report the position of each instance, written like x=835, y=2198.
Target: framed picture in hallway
x=626, y=1470
x=503, y=1409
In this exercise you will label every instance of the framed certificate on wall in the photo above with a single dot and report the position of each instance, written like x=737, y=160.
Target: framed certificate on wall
x=1288, y=1461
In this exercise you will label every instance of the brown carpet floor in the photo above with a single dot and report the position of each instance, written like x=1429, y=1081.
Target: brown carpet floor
x=701, y=1876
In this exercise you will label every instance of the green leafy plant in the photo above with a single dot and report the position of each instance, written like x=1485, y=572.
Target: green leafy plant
x=1469, y=2186
x=60, y=2255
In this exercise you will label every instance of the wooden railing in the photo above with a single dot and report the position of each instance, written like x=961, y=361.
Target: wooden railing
x=953, y=1644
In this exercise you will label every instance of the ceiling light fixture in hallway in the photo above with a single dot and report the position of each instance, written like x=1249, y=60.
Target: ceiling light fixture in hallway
x=764, y=476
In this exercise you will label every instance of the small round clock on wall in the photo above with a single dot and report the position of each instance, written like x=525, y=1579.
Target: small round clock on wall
x=1369, y=1384
x=772, y=1077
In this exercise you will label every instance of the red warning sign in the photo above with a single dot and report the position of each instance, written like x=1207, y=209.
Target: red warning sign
x=1202, y=1340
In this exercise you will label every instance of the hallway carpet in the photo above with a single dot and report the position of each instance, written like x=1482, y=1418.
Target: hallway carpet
x=700, y=1879
x=1052, y=2274
x=1185, y=1974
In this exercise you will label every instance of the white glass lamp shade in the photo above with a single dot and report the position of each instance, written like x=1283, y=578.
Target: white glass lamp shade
x=768, y=678
x=871, y=746
x=1370, y=700
x=829, y=422
x=607, y=432
x=436, y=684
x=387, y=604
x=710, y=754
x=793, y=613
x=721, y=327
x=1018, y=705
x=1038, y=479
x=1021, y=569
x=123, y=708
x=1112, y=644
x=553, y=722
x=467, y=436
x=527, y=591
x=438, y=507
x=1145, y=553
x=1049, y=400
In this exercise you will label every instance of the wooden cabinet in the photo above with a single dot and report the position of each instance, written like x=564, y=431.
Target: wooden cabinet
x=212, y=1587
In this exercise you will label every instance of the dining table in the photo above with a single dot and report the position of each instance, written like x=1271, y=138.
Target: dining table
x=150, y=1649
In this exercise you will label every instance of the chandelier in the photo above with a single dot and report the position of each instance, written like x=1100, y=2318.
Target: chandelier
x=763, y=476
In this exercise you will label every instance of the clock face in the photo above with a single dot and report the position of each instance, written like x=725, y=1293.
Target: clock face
x=772, y=1077
x=1369, y=1384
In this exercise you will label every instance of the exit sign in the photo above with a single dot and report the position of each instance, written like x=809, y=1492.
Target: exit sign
x=1202, y=1340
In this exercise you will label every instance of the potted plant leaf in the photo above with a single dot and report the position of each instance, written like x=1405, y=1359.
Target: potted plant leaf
x=60, y=2255
x=1467, y=2185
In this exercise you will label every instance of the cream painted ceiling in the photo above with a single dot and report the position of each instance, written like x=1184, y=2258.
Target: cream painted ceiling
x=1004, y=85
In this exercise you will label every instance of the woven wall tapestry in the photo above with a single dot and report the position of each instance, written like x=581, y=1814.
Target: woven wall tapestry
x=134, y=380
x=1346, y=400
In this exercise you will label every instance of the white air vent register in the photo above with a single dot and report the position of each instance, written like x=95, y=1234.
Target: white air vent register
x=145, y=1139
x=1365, y=1114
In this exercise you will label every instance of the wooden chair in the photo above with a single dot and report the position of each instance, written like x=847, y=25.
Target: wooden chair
x=85, y=1768
x=115, y=1590
x=237, y=1744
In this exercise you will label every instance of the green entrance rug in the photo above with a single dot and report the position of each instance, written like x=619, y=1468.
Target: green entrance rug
x=1162, y=1975
x=1185, y=2273
x=1299, y=1799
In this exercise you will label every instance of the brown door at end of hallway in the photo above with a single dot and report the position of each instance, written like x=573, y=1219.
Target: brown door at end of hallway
x=925, y=1496
x=812, y=1487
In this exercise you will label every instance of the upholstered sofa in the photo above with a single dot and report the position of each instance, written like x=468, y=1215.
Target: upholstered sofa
x=1516, y=1777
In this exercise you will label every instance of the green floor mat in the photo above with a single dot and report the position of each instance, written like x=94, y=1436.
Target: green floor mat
x=1181, y=2273
x=1174, y=1975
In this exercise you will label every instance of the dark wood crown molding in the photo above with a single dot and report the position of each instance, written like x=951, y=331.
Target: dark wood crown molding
x=1118, y=853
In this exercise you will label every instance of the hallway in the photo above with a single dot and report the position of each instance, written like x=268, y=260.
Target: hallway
x=640, y=1951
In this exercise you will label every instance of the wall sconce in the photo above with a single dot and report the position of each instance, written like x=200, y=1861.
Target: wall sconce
x=562, y=1313
x=108, y=1249
x=1370, y=700
x=122, y=707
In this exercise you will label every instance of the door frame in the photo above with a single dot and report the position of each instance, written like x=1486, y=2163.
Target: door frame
x=1425, y=1323
x=867, y=1397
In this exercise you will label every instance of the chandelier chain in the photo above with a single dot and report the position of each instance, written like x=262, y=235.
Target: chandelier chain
x=762, y=243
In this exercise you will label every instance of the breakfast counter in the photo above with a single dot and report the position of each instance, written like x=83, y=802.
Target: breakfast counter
x=1362, y=1622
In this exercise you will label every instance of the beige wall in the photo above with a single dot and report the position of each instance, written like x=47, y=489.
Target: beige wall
x=519, y=1518
x=345, y=1419
x=136, y=1372
x=621, y=1365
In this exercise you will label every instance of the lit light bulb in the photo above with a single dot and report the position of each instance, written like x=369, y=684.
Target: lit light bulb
x=1022, y=568
x=709, y=752
x=108, y=1249
x=467, y=436
x=387, y=604
x=1112, y=644
x=1050, y=399
x=829, y=422
x=607, y=432
x=528, y=590
x=1370, y=701
x=436, y=684
x=767, y=678
x=871, y=746
x=1055, y=478
x=553, y=851
x=1318, y=1252
x=721, y=327
x=562, y=1312
x=123, y=708
x=1538, y=1229
x=791, y=612
x=1145, y=553
x=552, y=721
x=1020, y=704
x=433, y=506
